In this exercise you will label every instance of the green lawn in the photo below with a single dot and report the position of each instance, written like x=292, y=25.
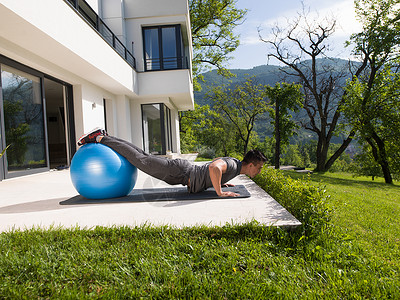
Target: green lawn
x=355, y=255
x=366, y=211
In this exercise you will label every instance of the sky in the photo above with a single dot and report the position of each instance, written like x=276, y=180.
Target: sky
x=263, y=14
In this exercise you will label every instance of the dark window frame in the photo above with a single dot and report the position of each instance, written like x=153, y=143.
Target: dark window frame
x=180, y=59
x=166, y=131
x=70, y=108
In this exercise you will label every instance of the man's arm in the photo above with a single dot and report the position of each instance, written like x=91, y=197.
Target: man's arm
x=217, y=168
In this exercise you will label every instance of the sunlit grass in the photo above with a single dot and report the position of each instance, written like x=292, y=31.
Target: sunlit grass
x=367, y=210
x=356, y=256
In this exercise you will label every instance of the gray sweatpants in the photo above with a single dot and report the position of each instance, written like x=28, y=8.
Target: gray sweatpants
x=172, y=171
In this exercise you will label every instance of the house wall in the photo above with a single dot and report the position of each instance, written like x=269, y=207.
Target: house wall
x=113, y=14
x=49, y=36
x=173, y=88
x=52, y=31
x=127, y=18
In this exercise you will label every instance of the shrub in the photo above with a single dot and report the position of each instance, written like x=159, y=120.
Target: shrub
x=206, y=152
x=304, y=201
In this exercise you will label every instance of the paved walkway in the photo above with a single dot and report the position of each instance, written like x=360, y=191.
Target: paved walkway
x=33, y=201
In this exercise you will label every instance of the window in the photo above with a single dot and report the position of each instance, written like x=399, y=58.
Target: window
x=36, y=120
x=23, y=119
x=163, y=48
x=157, y=134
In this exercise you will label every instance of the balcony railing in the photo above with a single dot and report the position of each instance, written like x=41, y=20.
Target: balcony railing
x=90, y=16
x=170, y=63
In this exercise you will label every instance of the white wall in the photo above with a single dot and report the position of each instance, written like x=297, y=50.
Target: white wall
x=89, y=107
x=151, y=8
x=70, y=50
x=95, y=5
x=175, y=131
x=176, y=85
x=136, y=123
x=53, y=32
x=124, y=117
x=112, y=13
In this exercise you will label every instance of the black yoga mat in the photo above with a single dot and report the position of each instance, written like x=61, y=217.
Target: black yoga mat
x=161, y=194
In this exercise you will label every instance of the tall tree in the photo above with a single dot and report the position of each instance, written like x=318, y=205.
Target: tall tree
x=302, y=46
x=205, y=127
x=212, y=23
x=375, y=112
x=372, y=104
x=241, y=105
x=285, y=98
x=192, y=122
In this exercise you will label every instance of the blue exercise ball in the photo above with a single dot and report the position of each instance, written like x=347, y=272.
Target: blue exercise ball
x=98, y=172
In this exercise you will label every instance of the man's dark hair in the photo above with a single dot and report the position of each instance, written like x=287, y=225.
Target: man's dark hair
x=254, y=156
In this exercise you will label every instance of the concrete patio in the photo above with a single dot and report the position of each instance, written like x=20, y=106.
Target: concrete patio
x=34, y=201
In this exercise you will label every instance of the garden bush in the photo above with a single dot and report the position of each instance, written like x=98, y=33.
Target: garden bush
x=306, y=202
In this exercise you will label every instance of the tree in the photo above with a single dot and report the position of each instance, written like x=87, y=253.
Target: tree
x=189, y=123
x=372, y=104
x=241, y=106
x=302, y=47
x=365, y=165
x=293, y=156
x=221, y=136
x=308, y=152
x=267, y=147
x=375, y=112
x=212, y=23
x=285, y=98
x=205, y=128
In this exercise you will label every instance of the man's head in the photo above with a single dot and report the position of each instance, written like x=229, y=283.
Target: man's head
x=252, y=162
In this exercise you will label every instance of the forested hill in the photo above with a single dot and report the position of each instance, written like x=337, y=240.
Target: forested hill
x=265, y=74
x=270, y=75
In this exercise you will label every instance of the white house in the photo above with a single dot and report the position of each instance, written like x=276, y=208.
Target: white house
x=68, y=66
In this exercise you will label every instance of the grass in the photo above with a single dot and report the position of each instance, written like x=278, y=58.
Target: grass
x=366, y=211
x=355, y=256
x=202, y=159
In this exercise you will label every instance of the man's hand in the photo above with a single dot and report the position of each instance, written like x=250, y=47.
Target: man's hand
x=228, y=194
x=227, y=185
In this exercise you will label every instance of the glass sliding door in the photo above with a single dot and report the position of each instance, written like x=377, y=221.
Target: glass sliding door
x=58, y=123
x=152, y=128
x=23, y=119
x=157, y=134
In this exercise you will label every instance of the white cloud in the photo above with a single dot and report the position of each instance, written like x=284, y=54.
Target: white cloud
x=343, y=11
x=345, y=15
x=266, y=14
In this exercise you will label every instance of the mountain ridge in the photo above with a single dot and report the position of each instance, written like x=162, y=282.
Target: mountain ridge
x=270, y=75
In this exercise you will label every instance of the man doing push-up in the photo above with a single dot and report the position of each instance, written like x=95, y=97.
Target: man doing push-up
x=180, y=171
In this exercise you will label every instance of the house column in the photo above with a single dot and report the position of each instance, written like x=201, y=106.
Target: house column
x=123, y=118
x=176, y=142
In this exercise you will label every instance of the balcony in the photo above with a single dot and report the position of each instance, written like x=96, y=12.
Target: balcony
x=90, y=16
x=170, y=63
